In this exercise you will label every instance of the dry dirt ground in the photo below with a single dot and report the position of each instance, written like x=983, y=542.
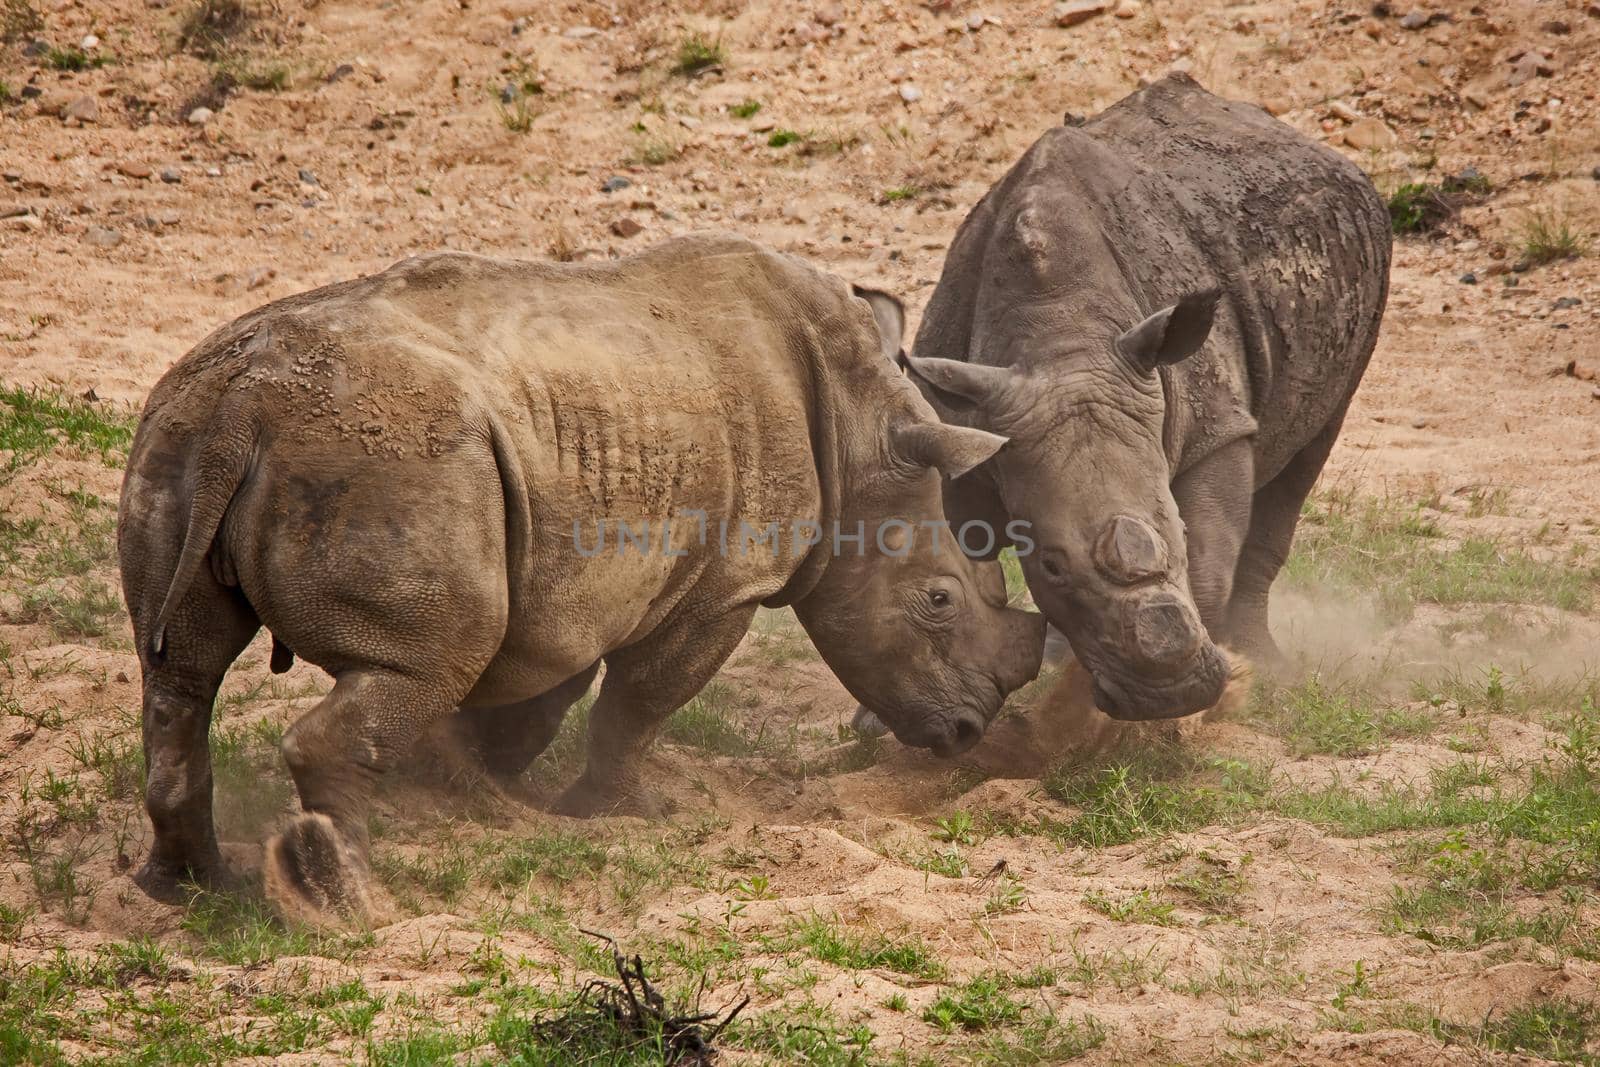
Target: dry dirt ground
x=1391, y=855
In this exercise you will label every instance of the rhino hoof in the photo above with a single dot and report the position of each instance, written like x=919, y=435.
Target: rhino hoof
x=169, y=883
x=313, y=878
x=585, y=800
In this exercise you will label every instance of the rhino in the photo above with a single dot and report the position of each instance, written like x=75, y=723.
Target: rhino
x=408, y=480
x=1167, y=309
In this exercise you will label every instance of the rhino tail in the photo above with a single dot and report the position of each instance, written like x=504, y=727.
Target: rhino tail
x=225, y=456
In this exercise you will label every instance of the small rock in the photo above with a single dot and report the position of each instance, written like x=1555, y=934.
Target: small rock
x=1370, y=135
x=1468, y=246
x=508, y=93
x=308, y=177
x=1344, y=112
x=1556, y=28
x=133, y=170
x=1072, y=12
x=1528, y=66
x=258, y=277
x=201, y=115
x=974, y=22
x=102, y=237
x=89, y=43
x=910, y=93
x=1595, y=174
x=1565, y=302
x=626, y=227
x=170, y=217
x=614, y=183
x=1419, y=423
x=1416, y=20
x=343, y=70
x=1127, y=9
x=31, y=223
x=84, y=109
x=171, y=175
x=122, y=677
x=1469, y=278
x=578, y=33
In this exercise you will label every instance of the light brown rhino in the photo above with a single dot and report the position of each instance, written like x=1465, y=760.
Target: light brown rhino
x=467, y=482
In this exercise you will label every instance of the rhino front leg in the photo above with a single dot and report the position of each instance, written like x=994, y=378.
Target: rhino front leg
x=508, y=737
x=1273, y=516
x=316, y=871
x=1213, y=500
x=644, y=684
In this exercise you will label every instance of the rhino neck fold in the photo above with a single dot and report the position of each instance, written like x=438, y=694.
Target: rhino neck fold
x=826, y=458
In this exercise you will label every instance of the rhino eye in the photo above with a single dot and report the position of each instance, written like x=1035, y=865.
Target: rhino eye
x=939, y=598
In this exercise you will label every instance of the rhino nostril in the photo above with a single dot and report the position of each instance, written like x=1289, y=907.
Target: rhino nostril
x=967, y=732
x=1129, y=550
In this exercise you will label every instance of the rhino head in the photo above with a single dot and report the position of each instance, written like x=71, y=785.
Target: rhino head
x=918, y=632
x=1104, y=553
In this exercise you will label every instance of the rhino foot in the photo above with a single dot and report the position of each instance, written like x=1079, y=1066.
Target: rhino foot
x=169, y=883
x=585, y=799
x=313, y=877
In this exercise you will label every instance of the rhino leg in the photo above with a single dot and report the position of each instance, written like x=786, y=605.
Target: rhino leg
x=316, y=870
x=644, y=684
x=1214, y=501
x=510, y=736
x=180, y=689
x=1273, y=515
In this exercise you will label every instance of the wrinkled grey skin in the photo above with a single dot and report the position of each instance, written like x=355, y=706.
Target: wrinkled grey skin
x=394, y=475
x=1167, y=310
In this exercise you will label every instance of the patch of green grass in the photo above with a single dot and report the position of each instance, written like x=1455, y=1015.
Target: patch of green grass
x=1212, y=884
x=1423, y=207
x=946, y=862
x=33, y=422
x=1140, y=907
x=254, y=72
x=1150, y=789
x=955, y=828
x=1548, y=234
x=73, y=58
x=519, y=115
x=900, y=192
x=1346, y=720
x=1355, y=545
x=696, y=52
x=1556, y=1029
x=704, y=723
x=980, y=1004
x=78, y=608
x=746, y=109
x=780, y=138
x=236, y=927
x=561, y=856
x=805, y=1033
x=833, y=943
x=1038, y=1041
x=209, y=26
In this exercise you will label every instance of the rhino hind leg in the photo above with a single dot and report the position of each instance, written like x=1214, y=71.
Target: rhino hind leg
x=644, y=684
x=316, y=870
x=508, y=737
x=180, y=689
x=1274, y=511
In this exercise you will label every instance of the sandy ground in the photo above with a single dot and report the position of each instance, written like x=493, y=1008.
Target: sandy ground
x=390, y=140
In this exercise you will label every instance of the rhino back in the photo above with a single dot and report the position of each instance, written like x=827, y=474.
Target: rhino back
x=1294, y=233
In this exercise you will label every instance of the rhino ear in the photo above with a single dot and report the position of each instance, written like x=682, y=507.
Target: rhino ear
x=1173, y=333
x=974, y=383
x=951, y=450
x=890, y=315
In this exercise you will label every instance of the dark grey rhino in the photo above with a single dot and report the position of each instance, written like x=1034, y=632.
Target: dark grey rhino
x=1167, y=310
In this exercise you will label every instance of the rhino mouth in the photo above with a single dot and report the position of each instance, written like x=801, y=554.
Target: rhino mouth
x=1198, y=685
